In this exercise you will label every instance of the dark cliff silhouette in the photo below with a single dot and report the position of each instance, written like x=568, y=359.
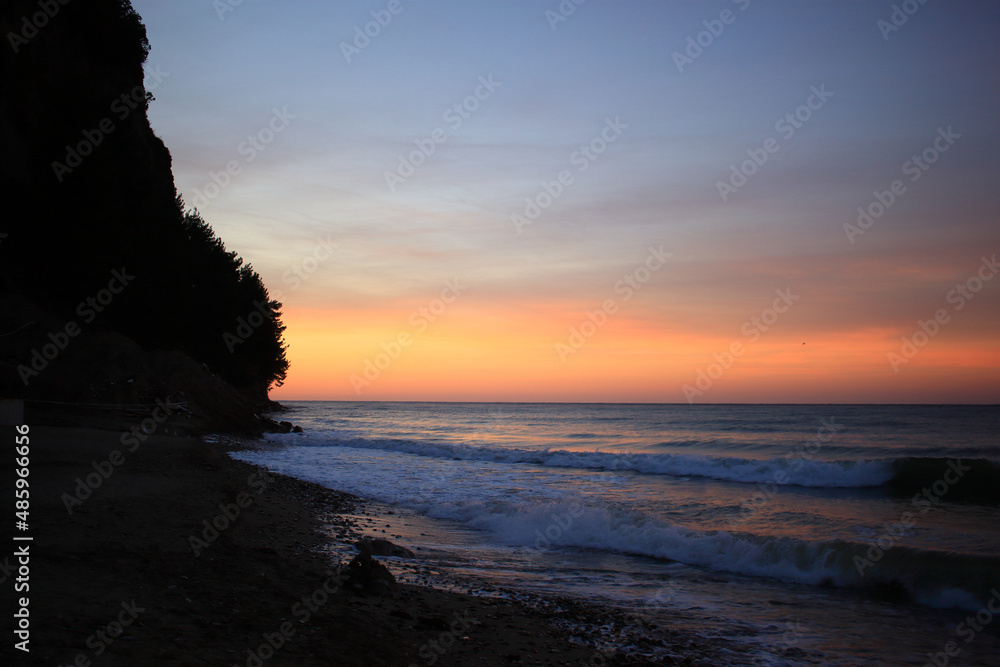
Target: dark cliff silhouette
x=105, y=280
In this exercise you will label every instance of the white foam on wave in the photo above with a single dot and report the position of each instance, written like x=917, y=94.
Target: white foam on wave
x=522, y=509
x=790, y=471
x=539, y=511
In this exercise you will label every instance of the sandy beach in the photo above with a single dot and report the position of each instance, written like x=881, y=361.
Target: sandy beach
x=182, y=556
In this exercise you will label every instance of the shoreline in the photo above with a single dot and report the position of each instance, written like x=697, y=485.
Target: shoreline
x=192, y=557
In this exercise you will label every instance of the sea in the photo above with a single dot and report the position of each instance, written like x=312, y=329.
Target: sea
x=795, y=534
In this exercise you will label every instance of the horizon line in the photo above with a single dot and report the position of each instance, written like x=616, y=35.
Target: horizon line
x=342, y=400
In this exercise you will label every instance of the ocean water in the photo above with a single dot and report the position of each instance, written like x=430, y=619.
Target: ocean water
x=819, y=534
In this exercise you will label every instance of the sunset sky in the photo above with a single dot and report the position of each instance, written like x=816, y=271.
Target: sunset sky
x=385, y=188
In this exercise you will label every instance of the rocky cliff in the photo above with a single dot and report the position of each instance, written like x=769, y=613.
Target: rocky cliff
x=110, y=292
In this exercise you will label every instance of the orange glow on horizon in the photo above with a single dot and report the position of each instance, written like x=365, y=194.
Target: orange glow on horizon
x=471, y=355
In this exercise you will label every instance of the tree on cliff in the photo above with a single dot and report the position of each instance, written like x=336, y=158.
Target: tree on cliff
x=90, y=192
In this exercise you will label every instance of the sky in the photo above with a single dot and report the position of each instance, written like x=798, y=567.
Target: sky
x=730, y=201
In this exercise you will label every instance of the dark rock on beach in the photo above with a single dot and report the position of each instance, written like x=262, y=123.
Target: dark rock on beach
x=367, y=575
x=382, y=547
x=271, y=426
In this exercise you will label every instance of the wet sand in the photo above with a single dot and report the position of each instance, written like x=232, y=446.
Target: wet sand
x=183, y=556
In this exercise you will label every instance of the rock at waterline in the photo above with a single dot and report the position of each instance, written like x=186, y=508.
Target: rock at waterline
x=379, y=547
